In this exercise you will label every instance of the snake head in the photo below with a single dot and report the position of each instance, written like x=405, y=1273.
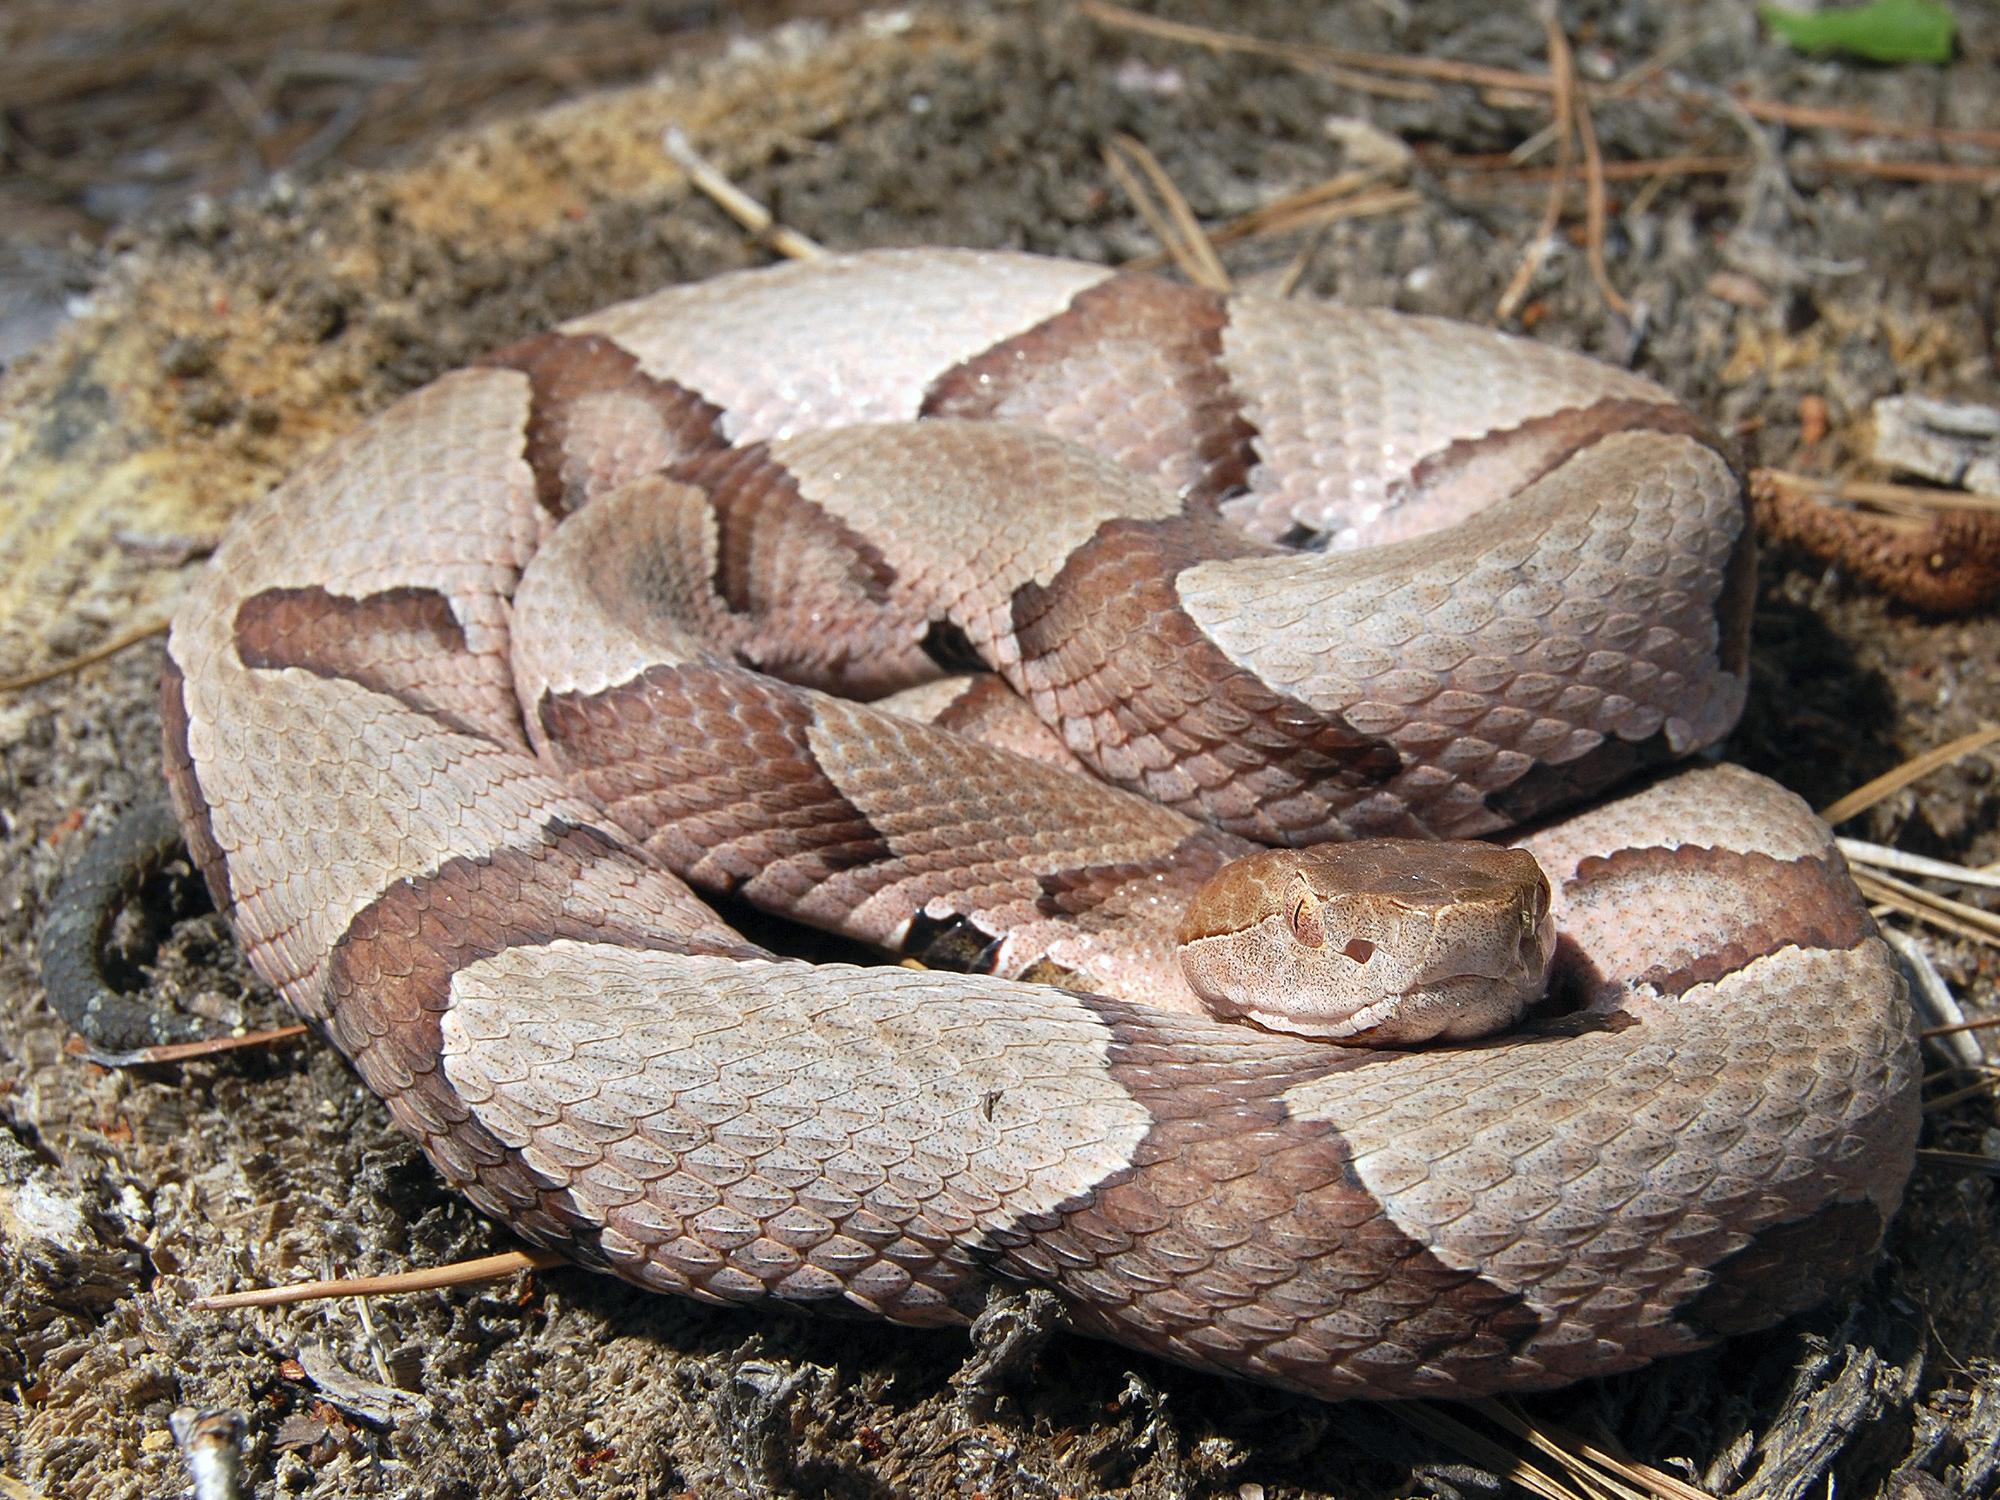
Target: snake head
x=1378, y=942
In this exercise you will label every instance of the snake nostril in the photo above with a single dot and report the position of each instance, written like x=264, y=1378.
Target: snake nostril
x=1359, y=949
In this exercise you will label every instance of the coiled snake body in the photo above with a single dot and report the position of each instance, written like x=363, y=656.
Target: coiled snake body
x=436, y=753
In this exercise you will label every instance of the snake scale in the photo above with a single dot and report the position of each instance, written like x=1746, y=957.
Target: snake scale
x=456, y=709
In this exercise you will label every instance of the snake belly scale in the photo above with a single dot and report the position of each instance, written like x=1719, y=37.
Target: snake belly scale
x=453, y=705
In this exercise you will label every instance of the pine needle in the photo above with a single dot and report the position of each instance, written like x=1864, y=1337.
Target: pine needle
x=1970, y=1162
x=733, y=201
x=1313, y=207
x=1916, y=768
x=91, y=657
x=1480, y=75
x=1433, y=1422
x=1595, y=209
x=1881, y=857
x=1562, y=68
x=1166, y=211
x=173, y=1052
x=459, y=1273
x=1973, y=923
x=1570, y=1448
x=1983, y=1088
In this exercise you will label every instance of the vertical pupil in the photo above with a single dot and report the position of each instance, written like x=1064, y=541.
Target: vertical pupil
x=1306, y=925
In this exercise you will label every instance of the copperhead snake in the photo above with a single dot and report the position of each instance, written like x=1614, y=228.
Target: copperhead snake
x=454, y=706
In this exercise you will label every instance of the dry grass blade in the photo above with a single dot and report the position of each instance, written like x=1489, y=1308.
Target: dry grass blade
x=1165, y=210
x=1561, y=1443
x=1433, y=1422
x=1905, y=498
x=91, y=657
x=1888, y=783
x=1562, y=68
x=461, y=1273
x=733, y=201
x=13, y=1489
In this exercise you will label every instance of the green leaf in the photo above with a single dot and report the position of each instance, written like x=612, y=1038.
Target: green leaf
x=1887, y=31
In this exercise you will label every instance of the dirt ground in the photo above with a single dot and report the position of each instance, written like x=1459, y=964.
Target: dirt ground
x=222, y=341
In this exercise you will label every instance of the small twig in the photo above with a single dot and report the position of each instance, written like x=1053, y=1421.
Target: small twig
x=462, y=1273
x=1888, y=783
x=1562, y=67
x=1165, y=210
x=89, y=658
x=733, y=201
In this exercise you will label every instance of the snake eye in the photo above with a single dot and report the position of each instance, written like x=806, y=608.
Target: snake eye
x=1305, y=919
